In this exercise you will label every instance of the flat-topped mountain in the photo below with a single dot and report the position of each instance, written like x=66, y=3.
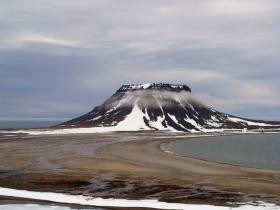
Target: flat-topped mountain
x=160, y=106
x=154, y=86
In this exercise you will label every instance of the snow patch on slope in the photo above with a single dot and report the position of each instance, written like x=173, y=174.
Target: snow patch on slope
x=214, y=121
x=174, y=119
x=235, y=119
x=135, y=86
x=194, y=123
x=134, y=121
x=158, y=123
x=96, y=118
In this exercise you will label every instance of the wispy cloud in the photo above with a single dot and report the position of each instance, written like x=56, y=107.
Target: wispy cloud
x=29, y=38
x=239, y=7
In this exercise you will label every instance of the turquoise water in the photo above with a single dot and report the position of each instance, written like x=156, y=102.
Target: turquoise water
x=251, y=150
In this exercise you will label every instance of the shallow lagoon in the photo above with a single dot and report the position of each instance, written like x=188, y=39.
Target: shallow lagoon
x=250, y=150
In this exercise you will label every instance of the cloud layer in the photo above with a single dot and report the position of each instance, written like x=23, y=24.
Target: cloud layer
x=61, y=58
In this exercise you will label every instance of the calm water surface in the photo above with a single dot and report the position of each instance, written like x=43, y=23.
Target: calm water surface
x=251, y=150
x=28, y=123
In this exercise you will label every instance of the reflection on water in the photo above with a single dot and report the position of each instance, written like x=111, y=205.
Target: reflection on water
x=258, y=150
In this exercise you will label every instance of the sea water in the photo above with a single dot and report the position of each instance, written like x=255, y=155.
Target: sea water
x=250, y=150
x=15, y=124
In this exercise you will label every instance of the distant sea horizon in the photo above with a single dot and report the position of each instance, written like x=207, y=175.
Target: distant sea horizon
x=17, y=123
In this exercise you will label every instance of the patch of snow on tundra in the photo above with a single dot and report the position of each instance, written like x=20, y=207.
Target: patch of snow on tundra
x=31, y=206
x=100, y=202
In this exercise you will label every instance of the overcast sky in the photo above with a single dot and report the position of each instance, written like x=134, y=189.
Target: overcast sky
x=60, y=58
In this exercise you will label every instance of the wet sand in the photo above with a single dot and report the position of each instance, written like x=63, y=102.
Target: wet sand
x=128, y=165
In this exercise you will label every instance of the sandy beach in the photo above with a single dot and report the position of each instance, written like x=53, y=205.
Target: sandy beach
x=130, y=166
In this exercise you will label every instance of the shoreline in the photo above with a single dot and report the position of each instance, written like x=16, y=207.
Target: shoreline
x=222, y=168
x=139, y=170
x=162, y=147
